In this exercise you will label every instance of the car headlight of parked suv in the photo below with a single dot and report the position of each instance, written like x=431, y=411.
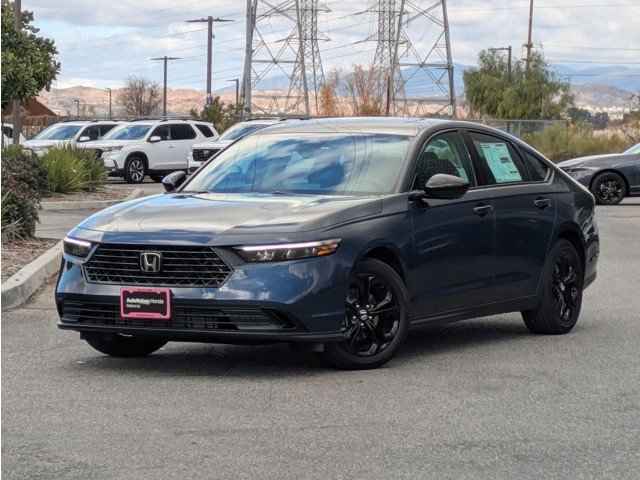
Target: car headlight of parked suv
x=111, y=149
x=288, y=251
x=77, y=248
x=577, y=171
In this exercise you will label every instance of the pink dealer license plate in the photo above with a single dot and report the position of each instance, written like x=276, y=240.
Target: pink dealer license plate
x=145, y=303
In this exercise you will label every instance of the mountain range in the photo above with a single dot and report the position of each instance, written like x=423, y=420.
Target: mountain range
x=594, y=87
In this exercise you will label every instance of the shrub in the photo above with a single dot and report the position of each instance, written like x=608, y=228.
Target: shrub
x=23, y=181
x=560, y=142
x=71, y=169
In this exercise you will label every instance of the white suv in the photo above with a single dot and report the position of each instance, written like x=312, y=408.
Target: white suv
x=69, y=133
x=201, y=152
x=150, y=147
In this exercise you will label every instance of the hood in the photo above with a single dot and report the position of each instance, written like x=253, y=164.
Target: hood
x=45, y=143
x=210, y=145
x=212, y=214
x=106, y=143
x=592, y=161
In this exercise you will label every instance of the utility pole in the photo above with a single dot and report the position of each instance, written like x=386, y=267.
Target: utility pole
x=165, y=60
x=529, y=44
x=237, y=82
x=509, y=54
x=77, y=102
x=17, y=105
x=109, y=90
x=209, y=21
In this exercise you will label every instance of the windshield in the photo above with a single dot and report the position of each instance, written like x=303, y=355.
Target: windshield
x=128, y=132
x=330, y=164
x=241, y=130
x=633, y=150
x=58, y=132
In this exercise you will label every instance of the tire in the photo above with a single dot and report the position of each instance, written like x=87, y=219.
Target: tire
x=123, y=346
x=609, y=188
x=156, y=178
x=134, y=170
x=561, y=298
x=377, y=328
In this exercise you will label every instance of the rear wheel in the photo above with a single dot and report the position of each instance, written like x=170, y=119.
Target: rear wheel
x=609, y=188
x=376, y=318
x=117, y=345
x=561, y=300
x=134, y=170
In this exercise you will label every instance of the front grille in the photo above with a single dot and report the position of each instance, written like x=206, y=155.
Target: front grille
x=186, y=315
x=204, y=154
x=180, y=266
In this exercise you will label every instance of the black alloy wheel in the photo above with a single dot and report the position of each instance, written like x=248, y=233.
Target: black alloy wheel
x=134, y=170
x=609, y=188
x=375, y=318
x=561, y=298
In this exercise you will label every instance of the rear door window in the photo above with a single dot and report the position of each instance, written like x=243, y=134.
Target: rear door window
x=93, y=132
x=182, y=131
x=499, y=159
x=538, y=170
x=204, y=130
x=161, y=131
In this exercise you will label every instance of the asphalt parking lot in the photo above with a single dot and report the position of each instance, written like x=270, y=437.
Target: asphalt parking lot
x=476, y=399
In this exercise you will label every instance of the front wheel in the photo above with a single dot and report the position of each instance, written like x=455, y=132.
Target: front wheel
x=561, y=298
x=609, y=188
x=134, y=170
x=124, y=346
x=376, y=318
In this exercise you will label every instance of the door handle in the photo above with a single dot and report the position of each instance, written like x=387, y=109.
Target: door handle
x=542, y=203
x=482, y=210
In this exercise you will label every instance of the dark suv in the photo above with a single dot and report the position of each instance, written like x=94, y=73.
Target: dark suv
x=342, y=233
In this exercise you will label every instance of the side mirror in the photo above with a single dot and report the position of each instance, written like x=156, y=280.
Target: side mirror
x=84, y=138
x=172, y=181
x=445, y=187
x=441, y=186
x=155, y=139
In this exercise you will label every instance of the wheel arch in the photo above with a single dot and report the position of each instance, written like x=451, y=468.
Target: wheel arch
x=610, y=170
x=388, y=254
x=572, y=234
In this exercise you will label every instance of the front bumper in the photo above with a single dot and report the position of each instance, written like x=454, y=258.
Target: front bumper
x=295, y=301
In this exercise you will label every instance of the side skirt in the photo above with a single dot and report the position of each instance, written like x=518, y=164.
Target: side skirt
x=517, y=305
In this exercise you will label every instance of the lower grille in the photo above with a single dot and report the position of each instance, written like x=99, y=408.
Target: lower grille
x=180, y=266
x=204, y=154
x=187, y=315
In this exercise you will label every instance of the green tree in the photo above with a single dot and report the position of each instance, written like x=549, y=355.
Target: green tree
x=222, y=115
x=536, y=94
x=28, y=60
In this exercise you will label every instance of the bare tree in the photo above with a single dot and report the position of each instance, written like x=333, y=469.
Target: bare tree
x=140, y=97
x=329, y=96
x=365, y=89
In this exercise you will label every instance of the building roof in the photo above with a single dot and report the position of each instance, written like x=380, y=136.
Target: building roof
x=31, y=108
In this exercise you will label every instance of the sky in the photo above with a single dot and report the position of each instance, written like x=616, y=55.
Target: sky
x=101, y=43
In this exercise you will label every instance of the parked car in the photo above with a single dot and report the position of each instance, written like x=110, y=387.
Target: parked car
x=341, y=233
x=7, y=135
x=69, y=133
x=152, y=147
x=610, y=178
x=201, y=152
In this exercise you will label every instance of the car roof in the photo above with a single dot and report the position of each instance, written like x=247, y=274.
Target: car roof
x=392, y=125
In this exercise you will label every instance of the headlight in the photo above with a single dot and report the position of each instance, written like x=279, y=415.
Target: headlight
x=111, y=149
x=77, y=248
x=578, y=169
x=288, y=251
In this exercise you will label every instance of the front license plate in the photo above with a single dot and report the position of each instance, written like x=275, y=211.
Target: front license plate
x=145, y=303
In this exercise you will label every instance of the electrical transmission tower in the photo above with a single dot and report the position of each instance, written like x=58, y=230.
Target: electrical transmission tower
x=295, y=58
x=413, y=57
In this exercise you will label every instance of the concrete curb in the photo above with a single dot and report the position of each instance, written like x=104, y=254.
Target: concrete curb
x=68, y=205
x=24, y=283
